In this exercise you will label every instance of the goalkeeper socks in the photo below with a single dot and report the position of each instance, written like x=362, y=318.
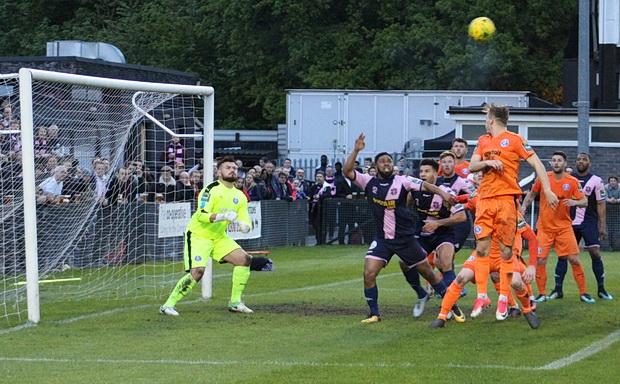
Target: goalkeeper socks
x=560, y=272
x=182, y=289
x=413, y=278
x=372, y=297
x=599, y=273
x=240, y=278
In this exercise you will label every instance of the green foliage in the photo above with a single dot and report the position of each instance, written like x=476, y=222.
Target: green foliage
x=252, y=51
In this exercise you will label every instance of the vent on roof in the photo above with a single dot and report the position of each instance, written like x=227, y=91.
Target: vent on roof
x=102, y=51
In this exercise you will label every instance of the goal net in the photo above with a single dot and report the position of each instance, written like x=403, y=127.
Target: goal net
x=99, y=177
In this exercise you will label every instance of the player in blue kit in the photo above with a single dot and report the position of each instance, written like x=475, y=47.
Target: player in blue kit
x=387, y=196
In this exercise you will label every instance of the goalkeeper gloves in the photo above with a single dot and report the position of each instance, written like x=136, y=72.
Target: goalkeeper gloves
x=243, y=227
x=228, y=216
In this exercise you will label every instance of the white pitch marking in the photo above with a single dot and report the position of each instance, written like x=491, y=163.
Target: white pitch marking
x=259, y=363
x=583, y=353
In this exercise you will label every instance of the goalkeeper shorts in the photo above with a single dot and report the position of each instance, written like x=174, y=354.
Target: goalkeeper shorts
x=197, y=249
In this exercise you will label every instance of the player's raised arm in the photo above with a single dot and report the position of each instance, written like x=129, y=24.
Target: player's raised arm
x=348, y=169
x=447, y=197
x=477, y=164
x=541, y=172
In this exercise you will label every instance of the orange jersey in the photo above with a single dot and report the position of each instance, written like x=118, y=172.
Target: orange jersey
x=460, y=169
x=509, y=148
x=567, y=187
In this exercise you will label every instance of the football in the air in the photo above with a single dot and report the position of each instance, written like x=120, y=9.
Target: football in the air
x=481, y=29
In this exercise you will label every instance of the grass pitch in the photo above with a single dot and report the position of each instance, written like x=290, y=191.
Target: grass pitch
x=306, y=329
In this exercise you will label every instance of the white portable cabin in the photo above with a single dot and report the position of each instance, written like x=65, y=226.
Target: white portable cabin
x=327, y=122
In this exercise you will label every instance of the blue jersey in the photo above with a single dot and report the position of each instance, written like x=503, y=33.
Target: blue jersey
x=388, y=203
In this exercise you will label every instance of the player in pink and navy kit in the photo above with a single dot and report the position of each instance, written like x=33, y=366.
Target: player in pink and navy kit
x=589, y=224
x=387, y=196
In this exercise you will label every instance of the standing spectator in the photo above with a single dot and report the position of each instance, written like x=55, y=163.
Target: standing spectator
x=40, y=141
x=301, y=195
x=288, y=168
x=122, y=189
x=262, y=161
x=52, y=186
x=176, y=149
x=404, y=167
x=318, y=193
x=197, y=183
x=612, y=190
x=184, y=189
x=178, y=169
x=323, y=165
x=99, y=182
x=7, y=116
x=240, y=185
x=166, y=184
x=56, y=143
x=271, y=181
x=285, y=190
x=304, y=185
x=253, y=190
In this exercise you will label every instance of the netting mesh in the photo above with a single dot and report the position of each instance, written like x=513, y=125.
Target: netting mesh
x=101, y=172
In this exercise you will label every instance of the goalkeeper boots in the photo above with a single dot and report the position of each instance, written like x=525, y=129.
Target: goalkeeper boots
x=240, y=307
x=170, y=311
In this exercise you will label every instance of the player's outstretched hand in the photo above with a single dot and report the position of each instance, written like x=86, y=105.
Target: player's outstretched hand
x=360, y=143
x=228, y=216
x=243, y=227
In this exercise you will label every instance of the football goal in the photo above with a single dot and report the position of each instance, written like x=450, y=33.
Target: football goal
x=99, y=177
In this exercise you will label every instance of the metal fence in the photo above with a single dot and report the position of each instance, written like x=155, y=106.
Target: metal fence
x=129, y=234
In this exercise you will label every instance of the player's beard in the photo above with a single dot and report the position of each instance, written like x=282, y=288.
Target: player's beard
x=582, y=168
x=383, y=175
x=230, y=179
x=559, y=171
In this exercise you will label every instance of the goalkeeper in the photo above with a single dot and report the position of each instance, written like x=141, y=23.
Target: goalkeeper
x=220, y=204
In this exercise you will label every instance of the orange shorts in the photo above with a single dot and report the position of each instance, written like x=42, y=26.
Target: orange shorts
x=563, y=241
x=431, y=259
x=497, y=216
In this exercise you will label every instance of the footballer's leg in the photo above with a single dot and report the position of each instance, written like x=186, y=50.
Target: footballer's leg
x=372, y=267
x=241, y=274
x=195, y=256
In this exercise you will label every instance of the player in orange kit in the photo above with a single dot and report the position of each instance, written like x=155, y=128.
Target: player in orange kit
x=498, y=154
x=521, y=275
x=555, y=226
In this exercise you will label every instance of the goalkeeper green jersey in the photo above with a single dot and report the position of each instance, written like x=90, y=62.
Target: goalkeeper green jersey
x=213, y=199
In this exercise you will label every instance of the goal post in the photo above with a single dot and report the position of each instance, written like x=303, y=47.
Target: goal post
x=122, y=114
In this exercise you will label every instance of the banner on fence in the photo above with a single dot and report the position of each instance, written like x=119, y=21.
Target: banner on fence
x=254, y=210
x=173, y=219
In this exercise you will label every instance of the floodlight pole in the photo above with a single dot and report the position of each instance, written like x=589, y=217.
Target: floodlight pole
x=583, y=78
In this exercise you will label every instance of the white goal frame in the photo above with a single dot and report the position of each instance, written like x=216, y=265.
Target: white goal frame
x=26, y=77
